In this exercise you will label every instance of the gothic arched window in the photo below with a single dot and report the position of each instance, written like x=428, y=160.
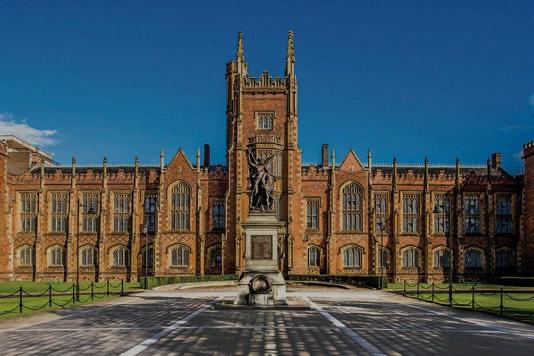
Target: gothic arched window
x=352, y=257
x=26, y=256
x=410, y=257
x=88, y=256
x=473, y=258
x=120, y=256
x=314, y=256
x=352, y=207
x=55, y=256
x=180, y=207
x=180, y=256
x=214, y=256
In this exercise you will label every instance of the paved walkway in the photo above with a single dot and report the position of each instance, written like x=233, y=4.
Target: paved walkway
x=338, y=322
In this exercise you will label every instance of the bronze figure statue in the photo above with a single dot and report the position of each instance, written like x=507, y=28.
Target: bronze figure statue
x=261, y=182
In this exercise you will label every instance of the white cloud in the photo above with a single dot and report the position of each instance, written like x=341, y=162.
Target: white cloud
x=9, y=125
x=518, y=155
x=531, y=99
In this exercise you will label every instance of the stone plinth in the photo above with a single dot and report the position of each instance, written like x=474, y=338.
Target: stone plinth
x=261, y=282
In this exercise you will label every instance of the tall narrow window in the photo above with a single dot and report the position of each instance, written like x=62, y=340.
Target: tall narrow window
x=314, y=256
x=55, y=256
x=120, y=257
x=88, y=256
x=472, y=214
x=504, y=258
x=265, y=120
x=180, y=256
x=151, y=202
x=181, y=202
x=473, y=259
x=59, y=212
x=504, y=214
x=441, y=258
x=121, y=212
x=410, y=258
x=383, y=257
x=352, y=207
x=410, y=213
x=218, y=214
x=441, y=213
x=214, y=256
x=352, y=257
x=28, y=212
x=381, y=212
x=89, y=212
x=26, y=256
x=312, y=214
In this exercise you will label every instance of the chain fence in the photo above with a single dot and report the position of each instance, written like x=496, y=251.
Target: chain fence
x=513, y=303
x=58, y=297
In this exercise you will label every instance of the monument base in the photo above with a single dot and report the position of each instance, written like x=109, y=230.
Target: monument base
x=275, y=294
x=261, y=282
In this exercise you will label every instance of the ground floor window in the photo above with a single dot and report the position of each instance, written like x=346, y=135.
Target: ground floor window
x=473, y=259
x=180, y=256
x=314, y=256
x=441, y=258
x=120, y=257
x=352, y=257
x=410, y=257
x=214, y=256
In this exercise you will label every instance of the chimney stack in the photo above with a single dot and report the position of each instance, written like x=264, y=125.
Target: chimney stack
x=324, y=155
x=496, y=160
x=206, y=155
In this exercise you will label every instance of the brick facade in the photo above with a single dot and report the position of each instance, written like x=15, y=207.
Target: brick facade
x=331, y=211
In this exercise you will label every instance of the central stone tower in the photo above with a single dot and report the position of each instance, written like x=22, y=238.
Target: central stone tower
x=261, y=114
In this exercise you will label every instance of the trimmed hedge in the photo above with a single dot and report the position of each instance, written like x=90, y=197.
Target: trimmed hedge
x=515, y=281
x=164, y=280
x=361, y=281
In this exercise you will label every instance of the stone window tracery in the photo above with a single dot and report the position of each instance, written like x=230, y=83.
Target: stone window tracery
x=441, y=258
x=352, y=207
x=26, y=256
x=352, y=257
x=150, y=209
x=56, y=256
x=89, y=212
x=180, y=208
x=180, y=256
x=381, y=212
x=121, y=212
x=410, y=213
x=28, y=212
x=314, y=256
x=265, y=120
x=218, y=214
x=410, y=258
x=441, y=213
x=120, y=257
x=504, y=215
x=59, y=212
x=312, y=213
x=473, y=258
x=472, y=214
x=88, y=256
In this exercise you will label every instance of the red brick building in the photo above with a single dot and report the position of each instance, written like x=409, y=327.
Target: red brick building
x=339, y=216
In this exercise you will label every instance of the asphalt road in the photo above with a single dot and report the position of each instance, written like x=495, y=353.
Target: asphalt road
x=337, y=322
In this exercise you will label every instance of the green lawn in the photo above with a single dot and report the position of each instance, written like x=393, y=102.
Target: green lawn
x=39, y=298
x=515, y=305
x=422, y=286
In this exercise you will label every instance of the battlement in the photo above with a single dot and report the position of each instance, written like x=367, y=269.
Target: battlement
x=264, y=82
x=528, y=149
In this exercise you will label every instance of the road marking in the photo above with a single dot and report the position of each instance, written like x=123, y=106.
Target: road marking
x=372, y=349
x=167, y=330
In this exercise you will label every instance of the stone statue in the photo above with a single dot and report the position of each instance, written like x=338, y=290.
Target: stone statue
x=261, y=182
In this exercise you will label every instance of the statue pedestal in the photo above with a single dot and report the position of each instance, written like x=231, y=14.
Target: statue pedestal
x=261, y=282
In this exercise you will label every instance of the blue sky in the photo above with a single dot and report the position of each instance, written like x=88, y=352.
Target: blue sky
x=405, y=78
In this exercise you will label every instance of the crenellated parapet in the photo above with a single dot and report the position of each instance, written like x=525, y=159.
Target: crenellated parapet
x=265, y=83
